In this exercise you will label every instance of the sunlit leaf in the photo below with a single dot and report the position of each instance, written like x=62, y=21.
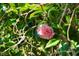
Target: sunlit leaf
x=52, y=43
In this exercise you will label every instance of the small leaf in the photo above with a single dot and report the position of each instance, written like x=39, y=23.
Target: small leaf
x=73, y=44
x=10, y=43
x=68, y=19
x=13, y=21
x=52, y=43
x=63, y=48
x=36, y=13
x=2, y=46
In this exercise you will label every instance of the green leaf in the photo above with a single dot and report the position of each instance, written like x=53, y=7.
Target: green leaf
x=10, y=43
x=68, y=19
x=13, y=8
x=2, y=46
x=10, y=22
x=73, y=44
x=23, y=7
x=63, y=48
x=36, y=13
x=52, y=43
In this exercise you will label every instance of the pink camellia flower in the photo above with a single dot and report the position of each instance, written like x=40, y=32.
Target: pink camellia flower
x=45, y=31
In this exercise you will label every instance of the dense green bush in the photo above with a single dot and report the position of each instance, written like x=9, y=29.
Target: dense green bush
x=18, y=24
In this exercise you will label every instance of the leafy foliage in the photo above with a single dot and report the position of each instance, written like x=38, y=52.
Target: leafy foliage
x=18, y=24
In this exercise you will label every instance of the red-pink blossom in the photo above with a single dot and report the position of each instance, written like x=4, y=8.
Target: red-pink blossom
x=45, y=31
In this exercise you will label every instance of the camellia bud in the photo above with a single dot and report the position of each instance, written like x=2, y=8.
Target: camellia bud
x=45, y=31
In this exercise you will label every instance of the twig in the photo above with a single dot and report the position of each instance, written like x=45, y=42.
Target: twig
x=27, y=14
x=2, y=16
x=24, y=51
x=29, y=29
x=63, y=14
x=6, y=50
x=22, y=39
x=44, y=12
x=70, y=25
